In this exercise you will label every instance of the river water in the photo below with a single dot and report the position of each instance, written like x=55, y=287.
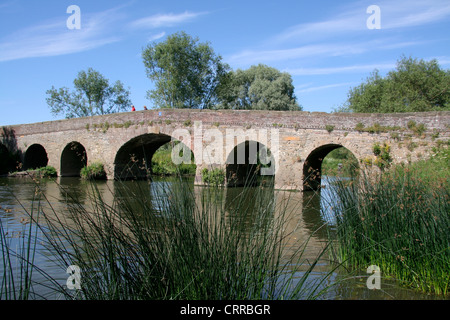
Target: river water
x=311, y=211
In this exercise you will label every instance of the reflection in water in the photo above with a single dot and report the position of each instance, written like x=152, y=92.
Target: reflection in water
x=308, y=214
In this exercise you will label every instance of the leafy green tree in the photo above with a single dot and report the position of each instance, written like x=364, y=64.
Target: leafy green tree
x=92, y=96
x=259, y=88
x=415, y=86
x=186, y=73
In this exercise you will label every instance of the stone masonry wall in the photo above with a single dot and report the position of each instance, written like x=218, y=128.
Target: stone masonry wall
x=298, y=134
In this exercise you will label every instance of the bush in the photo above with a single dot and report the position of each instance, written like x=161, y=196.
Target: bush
x=329, y=128
x=383, y=154
x=418, y=129
x=215, y=177
x=47, y=172
x=359, y=127
x=94, y=171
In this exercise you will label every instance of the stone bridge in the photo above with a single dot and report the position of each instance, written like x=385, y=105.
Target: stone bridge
x=226, y=139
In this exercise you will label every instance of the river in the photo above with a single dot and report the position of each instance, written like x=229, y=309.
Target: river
x=311, y=209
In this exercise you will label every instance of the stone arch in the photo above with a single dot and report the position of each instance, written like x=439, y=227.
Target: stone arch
x=73, y=159
x=35, y=157
x=312, y=167
x=246, y=162
x=133, y=159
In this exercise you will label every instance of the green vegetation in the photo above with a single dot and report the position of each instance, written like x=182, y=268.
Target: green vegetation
x=399, y=222
x=93, y=95
x=417, y=129
x=47, y=172
x=162, y=163
x=340, y=162
x=213, y=177
x=258, y=88
x=415, y=86
x=383, y=155
x=186, y=73
x=329, y=128
x=376, y=128
x=94, y=171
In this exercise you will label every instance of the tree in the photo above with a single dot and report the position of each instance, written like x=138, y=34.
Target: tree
x=186, y=73
x=415, y=86
x=259, y=88
x=92, y=96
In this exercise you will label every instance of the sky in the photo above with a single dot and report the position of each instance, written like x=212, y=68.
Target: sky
x=327, y=47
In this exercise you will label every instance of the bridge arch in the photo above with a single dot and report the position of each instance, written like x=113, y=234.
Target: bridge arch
x=35, y=157
x=73, y=159
x=133, y=159
x=312, y=167
x=247, y=162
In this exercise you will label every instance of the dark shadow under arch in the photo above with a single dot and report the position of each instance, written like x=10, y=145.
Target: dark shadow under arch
x=312, y=168
x=245, y=165
x=133, y=160
x=35, y=157
x=6, y=162
x=73, y=159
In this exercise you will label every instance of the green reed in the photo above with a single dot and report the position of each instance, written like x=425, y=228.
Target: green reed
x=168, y=242
x=400, y=222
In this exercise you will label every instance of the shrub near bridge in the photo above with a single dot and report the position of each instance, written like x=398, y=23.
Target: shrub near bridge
x=94, y=171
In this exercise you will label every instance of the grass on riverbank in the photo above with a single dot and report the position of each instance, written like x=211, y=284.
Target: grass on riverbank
x=399, y=222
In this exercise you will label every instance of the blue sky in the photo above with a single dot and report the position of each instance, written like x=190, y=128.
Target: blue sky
x=326, y=46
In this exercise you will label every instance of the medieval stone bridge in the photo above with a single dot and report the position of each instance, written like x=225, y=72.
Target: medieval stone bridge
x=226, y=139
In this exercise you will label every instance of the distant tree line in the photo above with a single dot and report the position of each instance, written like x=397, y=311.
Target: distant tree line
x=414, y=86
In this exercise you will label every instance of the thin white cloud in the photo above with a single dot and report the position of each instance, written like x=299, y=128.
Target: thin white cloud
x=393, y=14
x=54, y=38
x=165, y=20
x=344, y=69
x=406, y=14
x=315, y=30
x=249, y=57
x=441, y=60
x=328, y=86
x=156, y=36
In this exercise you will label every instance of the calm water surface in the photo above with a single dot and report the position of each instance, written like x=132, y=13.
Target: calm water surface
x=310, y=210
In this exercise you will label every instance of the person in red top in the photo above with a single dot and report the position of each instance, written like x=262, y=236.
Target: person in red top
x=132, y=108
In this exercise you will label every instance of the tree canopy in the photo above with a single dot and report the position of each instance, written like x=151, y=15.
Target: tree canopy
x=415, y=86
x=92, y=96
x=186, y=73
x=259, y=88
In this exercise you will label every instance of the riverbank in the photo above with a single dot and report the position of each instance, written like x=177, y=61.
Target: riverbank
x=400, y=223
x=44, y=172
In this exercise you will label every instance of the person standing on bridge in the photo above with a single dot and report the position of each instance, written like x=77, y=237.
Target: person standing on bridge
x=132, y=108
